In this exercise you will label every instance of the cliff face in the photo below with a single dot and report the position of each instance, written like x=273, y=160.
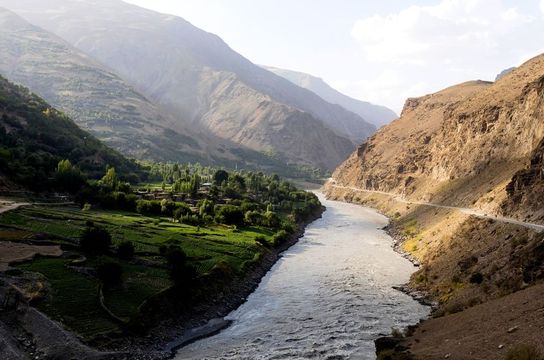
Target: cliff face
x=476, y=145
x=461, y=146
x=526, y=190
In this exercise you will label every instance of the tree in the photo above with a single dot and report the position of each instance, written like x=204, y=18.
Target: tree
x=238, y=182
x=271, y=219
x=110, y=179
x=68, y=177
x=180, y=272
x=205, y=207
x=229, y=214
x=95, y=240
x=220, y=177
x=253, y=217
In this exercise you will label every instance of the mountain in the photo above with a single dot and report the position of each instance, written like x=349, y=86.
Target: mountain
x=101, y=102
x=504, y=73
x=461, y=172
x=34, y=137
x=462, y=145
x=374, y=114
x=194, y=75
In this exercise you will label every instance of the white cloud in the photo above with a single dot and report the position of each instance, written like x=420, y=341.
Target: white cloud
x=432, y=47
x=448, y=30
x=542, y=6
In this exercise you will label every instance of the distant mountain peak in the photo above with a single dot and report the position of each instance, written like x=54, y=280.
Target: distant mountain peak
x=374, y=114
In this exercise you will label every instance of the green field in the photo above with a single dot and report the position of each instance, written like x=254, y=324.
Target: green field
x=73, y=297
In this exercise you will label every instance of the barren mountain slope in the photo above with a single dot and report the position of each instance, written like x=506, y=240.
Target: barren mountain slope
x=194, y=74
x=97, y=99
x=476, y=145
x=374, y=114
x=104, y=104
x=461, y=146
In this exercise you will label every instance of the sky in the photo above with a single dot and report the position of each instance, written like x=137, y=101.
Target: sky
x=378, y=51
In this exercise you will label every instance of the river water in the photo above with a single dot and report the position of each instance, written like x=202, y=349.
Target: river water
x=328, y=297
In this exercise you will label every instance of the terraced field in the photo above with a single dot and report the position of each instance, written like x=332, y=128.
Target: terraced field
x=143, y=277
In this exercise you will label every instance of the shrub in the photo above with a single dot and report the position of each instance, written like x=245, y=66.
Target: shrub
x=261, y=240
x=229, y=214
x=524, y=352
x=193, y=220
x=288, y=226
x=476, y=278
x=271, y=219
x=181, y=210
x=148, y=207
x=180, y=273
x=280, y=237
x=249, y=206
x=119, y=201
x=95, y=240
x=253, y=218
x=125, y=250
x=168, y=207
x=110, y=273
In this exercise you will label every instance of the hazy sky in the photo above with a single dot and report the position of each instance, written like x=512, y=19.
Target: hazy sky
x=379, y=51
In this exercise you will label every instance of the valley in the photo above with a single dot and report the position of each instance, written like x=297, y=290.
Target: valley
x=163, y=196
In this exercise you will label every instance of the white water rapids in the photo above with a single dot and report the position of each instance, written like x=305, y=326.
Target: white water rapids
x=328, y=297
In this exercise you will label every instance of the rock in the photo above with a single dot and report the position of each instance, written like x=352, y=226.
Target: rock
x=447, y=356
x=513, y=329
x=501, y=346
x=386, y=343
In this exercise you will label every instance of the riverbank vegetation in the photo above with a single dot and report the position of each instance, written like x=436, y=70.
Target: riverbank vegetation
x=184, y=235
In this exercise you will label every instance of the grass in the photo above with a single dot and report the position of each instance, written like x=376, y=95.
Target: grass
x=204, y=246
x=73, y=297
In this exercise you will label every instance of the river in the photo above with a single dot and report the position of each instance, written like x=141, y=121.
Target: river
x=328, y=297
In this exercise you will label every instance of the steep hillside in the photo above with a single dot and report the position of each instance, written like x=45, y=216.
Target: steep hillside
x=461, y=174
x=34, y=137
x=98, y=100
x=195, y=75
x=460, y=146
x=374, y=114
x=104, y=104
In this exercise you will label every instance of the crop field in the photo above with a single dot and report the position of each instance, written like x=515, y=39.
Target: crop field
x=142, y=278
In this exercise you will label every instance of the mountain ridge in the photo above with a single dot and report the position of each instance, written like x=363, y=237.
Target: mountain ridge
x=448, y=172
x=103, y=103
x=375, y=114
x=195, y=72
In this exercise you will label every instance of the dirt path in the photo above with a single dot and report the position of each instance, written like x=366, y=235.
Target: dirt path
x=6, y=205
x=467, y=211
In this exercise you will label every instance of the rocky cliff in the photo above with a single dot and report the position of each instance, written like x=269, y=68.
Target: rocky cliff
x=461, y=175
x=461, y=146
